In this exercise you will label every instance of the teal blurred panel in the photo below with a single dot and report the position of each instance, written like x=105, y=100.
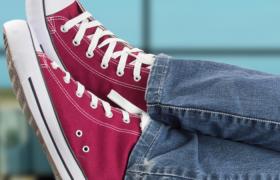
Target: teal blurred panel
x=9, y=10
x=12, y=9
x=4, y=77
x=20, y=151
x=215, y=23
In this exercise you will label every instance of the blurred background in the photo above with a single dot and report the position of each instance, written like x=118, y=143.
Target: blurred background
x=244, y=33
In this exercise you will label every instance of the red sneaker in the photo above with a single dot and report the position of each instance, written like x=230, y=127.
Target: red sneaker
x=84, y=136
x=106, y=65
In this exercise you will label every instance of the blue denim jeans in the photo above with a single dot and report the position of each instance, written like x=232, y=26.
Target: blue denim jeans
x=210, y=121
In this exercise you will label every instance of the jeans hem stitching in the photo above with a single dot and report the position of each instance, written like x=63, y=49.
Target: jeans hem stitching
x=214, y=112
x=162, y=174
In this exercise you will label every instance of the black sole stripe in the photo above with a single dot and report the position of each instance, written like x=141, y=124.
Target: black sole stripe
x=46, y=125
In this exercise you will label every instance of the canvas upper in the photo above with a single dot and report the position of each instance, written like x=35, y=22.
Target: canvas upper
x=106, y=65
x=101, y=141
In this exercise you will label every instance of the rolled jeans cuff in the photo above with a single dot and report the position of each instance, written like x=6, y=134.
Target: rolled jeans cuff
x=216, y=99
x=156, y=79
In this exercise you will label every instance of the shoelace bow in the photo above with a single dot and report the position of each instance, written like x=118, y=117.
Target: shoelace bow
x=94, y=99
x=83, y=23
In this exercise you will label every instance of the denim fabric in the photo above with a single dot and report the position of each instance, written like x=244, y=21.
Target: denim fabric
x=210, y=121
x=217, y=99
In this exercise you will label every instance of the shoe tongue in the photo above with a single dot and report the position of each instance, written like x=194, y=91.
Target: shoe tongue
x=56, y=6
x=70, y=11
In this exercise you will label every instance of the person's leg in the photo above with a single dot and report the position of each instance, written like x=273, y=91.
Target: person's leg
x=216, y=99
x=165, y=153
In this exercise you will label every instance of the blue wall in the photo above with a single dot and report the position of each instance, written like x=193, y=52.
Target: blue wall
x=216, y=23
x=187, y=24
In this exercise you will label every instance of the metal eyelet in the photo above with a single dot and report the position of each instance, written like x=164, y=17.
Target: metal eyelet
x=76, y=43
x=67, y=82
x=137, y=78
x=104, y=66
x=79, y=133
x=86, y=149
x=93, y=106
x=120, y=73
x=78, y=95
x=89, y=55
x=127, y=121
x=62, y=29
x=53, y=66
x=110, y=115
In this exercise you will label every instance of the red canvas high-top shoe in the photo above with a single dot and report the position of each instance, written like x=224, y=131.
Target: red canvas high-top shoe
x=105, y=64
x=85, y=138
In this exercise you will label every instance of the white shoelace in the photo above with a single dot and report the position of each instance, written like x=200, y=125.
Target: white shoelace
x=94, y=99
x=83, y=23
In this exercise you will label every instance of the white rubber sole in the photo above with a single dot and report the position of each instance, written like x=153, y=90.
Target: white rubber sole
x=30, y=89
x=36, y=18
